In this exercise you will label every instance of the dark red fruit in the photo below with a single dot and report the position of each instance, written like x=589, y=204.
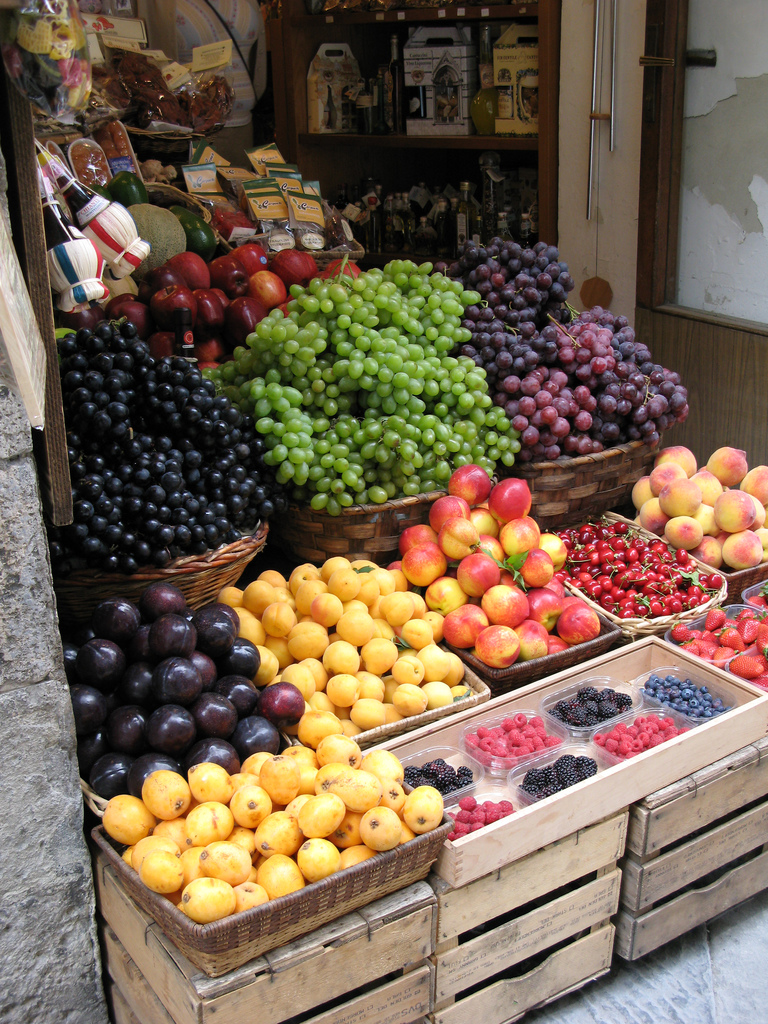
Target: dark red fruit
x=109, y=775
x=115, y=619
x=89, y=749
x=254, y=734
x=170, y=729
x=216, y=631
x=240, y=691
x=138, y=649
x=217, y=752
x=136, y=684
x=242, y=659
x=172, y=635
x=214, y=715
x=159, y=599
x=89, y=706
x=176, y=681
x=100, y=663
x=143, y=767
x=206, y=667
x=125, y=730
x=282, y=704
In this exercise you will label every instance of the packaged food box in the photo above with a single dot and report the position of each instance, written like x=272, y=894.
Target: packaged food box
x=440, y=79
x=333, y=82
x=516, y=72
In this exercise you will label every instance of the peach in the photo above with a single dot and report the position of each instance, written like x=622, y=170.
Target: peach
x=462, y=626
x=519, y=535
x=641, y=492
x=684, y=532
x=484, y=521
x=734, y=511
x=444, y=595
x=756, y=483
x=537, y=570
x=679, y=498
x=470, y=482
x=476, y=573
x=424, y=564
x=533, y=639
x=709, y=485
x=651, y=516
x=507, y=578
x=497, y=646
x=665, y=474
x=684, y=457
x=578, y=622
x=510, y=499
x=709, y=552
x=505, y=606
x=413, y=535
x=762, y=533
x=556, y=587
x=457, y=537
x=555, y=548
x=448, y=507
x=760, y=512
x=729, y=465
x=491, y=547
x=742, y=550
x=555, y=644
x=705, y=515
x=545, y=607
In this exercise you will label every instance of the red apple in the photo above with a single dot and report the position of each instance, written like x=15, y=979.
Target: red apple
x=498, y=647
x=229, y=274
x=476, y=572
x=505, y=606
x=413, y=535
x=545, y=607
x=463, y=625
x=537, y=569
x=267, y=287
x=162, y=343
x=533, y=640
x=210, y=313
x=293, y=266
x=241, y=317
x=159, y=277
x=164, y=303
x=88, y=316
x=192, y=268
x=225, y=299
x=210, y=352
x=136, y=312
x=578, y=624
x=471, y=483
x=510, y=499
x=447, y=507
x=252, y=257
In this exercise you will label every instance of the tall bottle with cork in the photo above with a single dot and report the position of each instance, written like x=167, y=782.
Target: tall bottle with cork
x=484, y=108
x=396, y=73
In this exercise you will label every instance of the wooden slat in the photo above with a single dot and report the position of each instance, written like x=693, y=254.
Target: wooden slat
x=636, y=936
x=131, y=998
x=698, y=800
x=524, y=880
x=508, y=999
x=477, y=959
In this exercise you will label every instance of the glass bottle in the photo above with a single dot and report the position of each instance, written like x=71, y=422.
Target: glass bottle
x=484, y=108
x=525, y=228
x=396, y=72
x=443, y=228
x=425, y=242
x=388, y=217
x=452, y=216
x=373, y=240
x=502, y=227
x=83, y=202
x=379, y=89
x=492, y=185
x=409, y=223
x=398, y=225
x=465, y=214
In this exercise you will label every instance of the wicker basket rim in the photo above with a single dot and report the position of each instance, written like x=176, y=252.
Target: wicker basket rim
x=565, y=461
x=385, y=506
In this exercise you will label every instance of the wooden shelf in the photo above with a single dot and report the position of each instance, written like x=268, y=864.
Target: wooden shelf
x=502, y=142
x=450, y=12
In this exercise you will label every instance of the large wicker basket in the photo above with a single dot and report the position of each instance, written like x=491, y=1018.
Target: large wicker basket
x=198, y=577
x=739, y=580
x=168, y=195
x=569, y=491
x=224, y=945
x=361, y=531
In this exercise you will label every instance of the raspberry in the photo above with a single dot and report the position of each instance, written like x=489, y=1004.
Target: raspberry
x=599, y=739
x=488, y=805
x=482, y=732
x=492, y=816
x=552, y=741
x=525, y=748
x=681, y=632
x=462, y=829
x=520, y=720
x=538, y=743
x=747, y=629
x=476, y=825
x=623, y=748
x=516, y=737
x=715, y=618
x=507, y=725
x=611, y=746
x=499, y=749
x=537, y=722
x=506, y=806
x=477, y=815
x=486, y=743
x=730, y=638
x=747, y=666
x=462, y=815
x=467, y=803
x=451, y=836
x=472, y=740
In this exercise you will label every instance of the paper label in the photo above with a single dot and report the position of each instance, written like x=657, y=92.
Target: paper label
x=261, y=155
x=175, y=75
x=158, y=56
x=352, y=212
x=212, y=55
x=116, y=42
x=279, y=240
x=306, y=210
x=312, y=188
x=201, y=177
x=127, y=28
x=419, y=195
x=239, y=235
x=233, y=173
x=268, y=206
x=289, y=184
x=203, y=153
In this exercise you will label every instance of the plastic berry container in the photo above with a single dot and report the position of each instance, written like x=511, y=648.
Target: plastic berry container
x=756, y=590
x=456, y=759
x=579, y=732
x=731, y=611
x=680, y=722
x=683, y=675
x=491, y=787
x=496, y=763
x=517, y=775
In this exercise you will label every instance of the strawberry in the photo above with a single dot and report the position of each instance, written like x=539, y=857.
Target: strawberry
x=707, y=650
x=709, y=636
x=715, y=618
x=761, y=681
x=692, y=646
x=747, y=630
x=680, y=633
x=722, y=654
x=762, y=633
x=731, y=638
x=748, y=667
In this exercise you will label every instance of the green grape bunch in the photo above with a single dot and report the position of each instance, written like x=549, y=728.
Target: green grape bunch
x=356, y=395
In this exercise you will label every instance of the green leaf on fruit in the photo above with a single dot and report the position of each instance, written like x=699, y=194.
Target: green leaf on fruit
x=513, y=564
x=460, y=696
x=364, y=568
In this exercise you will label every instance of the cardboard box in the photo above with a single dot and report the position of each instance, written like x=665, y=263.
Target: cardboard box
x=333, y=82
x=516, y=68
x=440, y=77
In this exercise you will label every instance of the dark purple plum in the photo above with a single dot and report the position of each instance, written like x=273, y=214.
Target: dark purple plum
x=176, y=681
x=242, y=659
x=138, y=649
x=241, y=691
x=254, y=734
x=206, y=667
x=136, y=684
x=109, y=775
x=214, y=715
x=89, y=706
x=170, y=729
x=100, y=663
x=231, y=614
x=125, y=730
x=216, y=751
x=144, y=766
x=89, y=749
x=282, y=704
x=114, y=700
x=159, y=599
x=116, y=619
x=171, y=635
x=215, y=630
x=69, y=650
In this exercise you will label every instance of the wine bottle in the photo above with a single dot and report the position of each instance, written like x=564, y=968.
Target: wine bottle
x=484, y=108
x=396, y=71
x=84, y=203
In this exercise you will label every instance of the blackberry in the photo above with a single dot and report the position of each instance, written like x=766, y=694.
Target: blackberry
x=586, y=694
x=587, y=767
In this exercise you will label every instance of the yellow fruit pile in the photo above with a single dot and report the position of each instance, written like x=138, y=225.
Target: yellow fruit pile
x=215, y=844
x=360, y=646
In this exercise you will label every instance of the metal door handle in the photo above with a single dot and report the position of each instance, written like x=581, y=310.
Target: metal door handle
x=646, y=61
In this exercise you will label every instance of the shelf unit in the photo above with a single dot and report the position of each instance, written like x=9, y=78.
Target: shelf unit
x=400, y=160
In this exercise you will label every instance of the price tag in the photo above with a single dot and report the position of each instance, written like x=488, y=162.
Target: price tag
x=460, y=12
x=379, y=16
x=401, y=15
x=441, y=13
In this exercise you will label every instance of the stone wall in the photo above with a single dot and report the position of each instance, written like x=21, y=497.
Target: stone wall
x=48, y=944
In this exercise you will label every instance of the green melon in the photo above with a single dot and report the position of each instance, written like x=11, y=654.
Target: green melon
x=162, y=230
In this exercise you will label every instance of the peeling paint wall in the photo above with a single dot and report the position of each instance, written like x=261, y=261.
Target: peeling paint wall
x=723, y=249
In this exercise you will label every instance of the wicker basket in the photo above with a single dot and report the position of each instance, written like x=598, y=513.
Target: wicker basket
x=224, y=945
x=738, y=580
x=169, y=195
x=167, y=146
x=502, y=680
x=568, y=491
x=198, y=577
x=636, y=629
x=361, y=531
x=92, y=800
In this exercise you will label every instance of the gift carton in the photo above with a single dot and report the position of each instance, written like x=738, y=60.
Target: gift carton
x=440, y=78
x=333, y=82
x=516, y=73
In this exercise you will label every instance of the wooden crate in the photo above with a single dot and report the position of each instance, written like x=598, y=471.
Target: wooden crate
x=608, y=792
x=504, y=941
x=369, y=966
x=694, y=849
